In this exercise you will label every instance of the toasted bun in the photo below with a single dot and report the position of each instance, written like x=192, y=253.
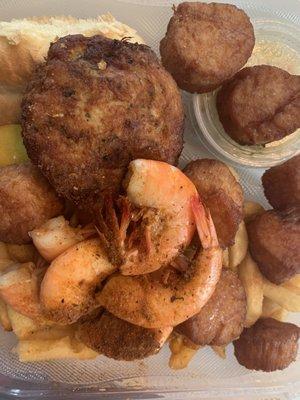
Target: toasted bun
x=24, y=44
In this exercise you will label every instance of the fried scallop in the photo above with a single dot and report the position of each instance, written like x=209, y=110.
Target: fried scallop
x=206, y=44
x=221, y=193
x=222, y=319
x=26, y=202
x=267, y=345
x=95, y=105
x=119, y=339
x=282, y=184
x=274, y=243
x=260, y=104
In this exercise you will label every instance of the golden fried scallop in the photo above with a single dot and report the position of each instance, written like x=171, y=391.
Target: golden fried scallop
x=206, y=44
x=282, y=184
x=267, y=345
x=274, y=243
x=95, y=105
x=26, y=202
x=222, y=319
x=221, y=193
x=119, y=339
x=260, y=104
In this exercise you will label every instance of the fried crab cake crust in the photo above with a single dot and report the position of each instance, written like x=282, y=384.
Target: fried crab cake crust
x=95, y=105
x=206, y=44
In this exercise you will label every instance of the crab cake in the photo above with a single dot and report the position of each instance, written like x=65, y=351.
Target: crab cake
x=121, y=340
x=95, y=105
x=274, y=243
x=282, y=184
x=260, y=104
x=26, y=202
x=206, y=44
x=222, y=319
x=221, y=193
x=268, y=345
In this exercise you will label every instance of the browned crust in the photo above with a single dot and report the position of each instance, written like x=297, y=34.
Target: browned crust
x=206, y=44
x=118, y=339
x=93, y=107
x=221, y=193
x=248, y=111
x=282, y=184
x=26, y=202
x=23, y=48
x=274, y=243
x=268, y=345
x=221, y=320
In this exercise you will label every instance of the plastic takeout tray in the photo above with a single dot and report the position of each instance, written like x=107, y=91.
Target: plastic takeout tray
x=208, y=376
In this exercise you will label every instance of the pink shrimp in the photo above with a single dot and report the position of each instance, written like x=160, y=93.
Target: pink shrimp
x=151, y=302
x=157, y=220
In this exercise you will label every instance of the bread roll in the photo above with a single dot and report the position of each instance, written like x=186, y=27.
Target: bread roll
x=24, y=44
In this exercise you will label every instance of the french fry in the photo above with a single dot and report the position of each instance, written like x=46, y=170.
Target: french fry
x=4, y=318
x=225, y=258
x=181, y=354
x=220, y=351
x=53, y=349
x=3, y=251
x=286, y=298
x=238, y=251
x=251, y=209
x=21, y=253
x=26, y=328
x=272, y=310
x=252, y=281
x=22, y=326
x=293, y=284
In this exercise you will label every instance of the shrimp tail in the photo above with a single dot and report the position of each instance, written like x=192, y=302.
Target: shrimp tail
x=88, y=231
x=204, y=223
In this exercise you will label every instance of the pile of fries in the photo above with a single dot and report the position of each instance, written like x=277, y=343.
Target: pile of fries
x=264, y=299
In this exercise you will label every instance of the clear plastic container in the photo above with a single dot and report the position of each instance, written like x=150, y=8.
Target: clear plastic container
x=208, y=376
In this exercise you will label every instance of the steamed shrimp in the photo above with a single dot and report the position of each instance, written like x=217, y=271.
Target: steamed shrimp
x=56, y=235
x=72, y=279
x=157, y=222
x=152, y=302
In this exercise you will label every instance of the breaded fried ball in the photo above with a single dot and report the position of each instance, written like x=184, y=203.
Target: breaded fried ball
x=206, y=44
x=95, y=105
x=267, y=345
x=222, y=318
x=282, y=184
x=26, y=202
x=274, y=243
x=118, y=339
x=221, y=193
x=260, y=104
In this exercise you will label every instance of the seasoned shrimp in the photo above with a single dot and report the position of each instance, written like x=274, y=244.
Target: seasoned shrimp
x=56, y=236
x=69, y=285
x=157, y=220
x=152, y=301
x=19, y=288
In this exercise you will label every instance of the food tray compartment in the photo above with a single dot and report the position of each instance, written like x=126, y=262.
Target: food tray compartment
x=207, y=376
